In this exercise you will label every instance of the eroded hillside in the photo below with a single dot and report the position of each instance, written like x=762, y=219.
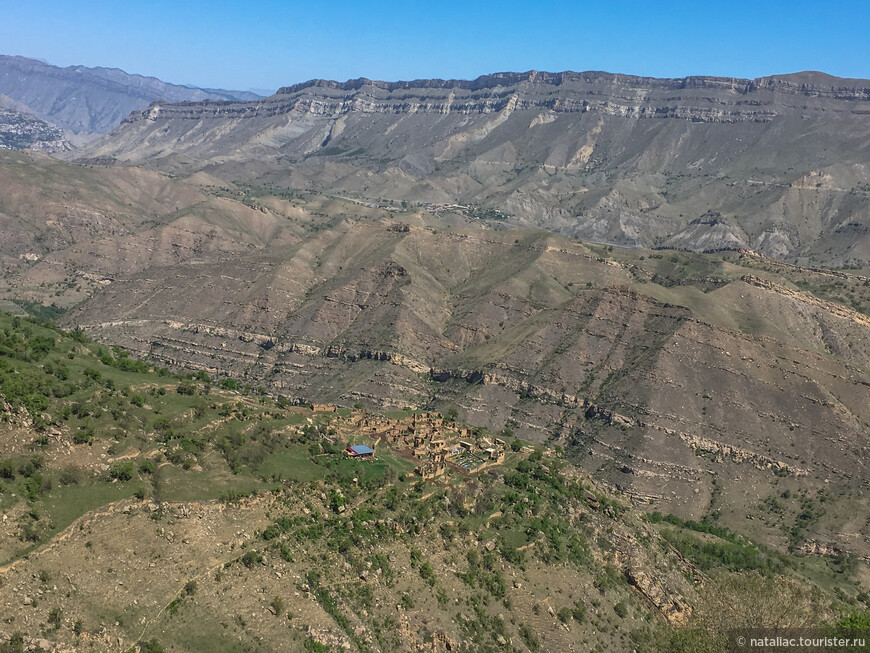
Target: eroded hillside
x=190, y=513
x=702, y=384
x=776, y=164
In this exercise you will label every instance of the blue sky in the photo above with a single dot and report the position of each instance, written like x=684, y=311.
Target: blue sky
x=268, y=44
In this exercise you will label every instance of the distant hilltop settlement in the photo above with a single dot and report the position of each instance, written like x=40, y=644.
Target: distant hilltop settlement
x=427, y=438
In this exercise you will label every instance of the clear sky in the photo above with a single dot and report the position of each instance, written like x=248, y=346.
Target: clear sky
x=267, y=44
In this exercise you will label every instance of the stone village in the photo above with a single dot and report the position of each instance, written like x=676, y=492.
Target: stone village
x=433, y=442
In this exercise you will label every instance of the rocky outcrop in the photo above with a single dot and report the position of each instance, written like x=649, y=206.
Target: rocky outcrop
x=674, y=608
x=835, y=309
x=739, y=454
x=750, y=255
x=609, y=416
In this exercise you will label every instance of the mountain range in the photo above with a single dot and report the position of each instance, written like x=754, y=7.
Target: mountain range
x=658, y=285
x=776, y=164
x=86, y=101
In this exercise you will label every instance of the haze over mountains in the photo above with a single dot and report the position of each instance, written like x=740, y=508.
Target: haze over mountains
x=776, y=164
x=87, y=101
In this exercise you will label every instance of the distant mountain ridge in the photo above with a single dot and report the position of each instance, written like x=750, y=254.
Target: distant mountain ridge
x=778, y=164
x=86, y=100
x=803, y=82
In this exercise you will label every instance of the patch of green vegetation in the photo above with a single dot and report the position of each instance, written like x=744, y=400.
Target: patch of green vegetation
x=40, y=312
x=75, y=500
x=482, y=213
x=530, y=637
x=313, y=646
x=724, y=549
x=101, y=397
x=809, y=514
x=289, y=464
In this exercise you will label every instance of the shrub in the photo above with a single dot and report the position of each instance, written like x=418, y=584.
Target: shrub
x=15, y=643
x=151, y=646
x=29, y=468
x=122, y=471
x=313, y=646
x=336, y=501
x=427, y=573
x=731, y=555
x=8, y=469
x=530, y=637
x=84, y=436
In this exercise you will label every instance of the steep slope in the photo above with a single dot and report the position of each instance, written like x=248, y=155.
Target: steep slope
x=175, y=513
x=69, y=225
x=702, y=384
x=687, y=403
x=778, y=164
x=86, y=100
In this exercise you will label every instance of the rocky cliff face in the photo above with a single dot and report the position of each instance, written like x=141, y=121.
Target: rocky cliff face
x=777, y=164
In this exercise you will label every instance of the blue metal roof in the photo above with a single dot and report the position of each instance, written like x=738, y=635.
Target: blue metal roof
x=361, y=449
